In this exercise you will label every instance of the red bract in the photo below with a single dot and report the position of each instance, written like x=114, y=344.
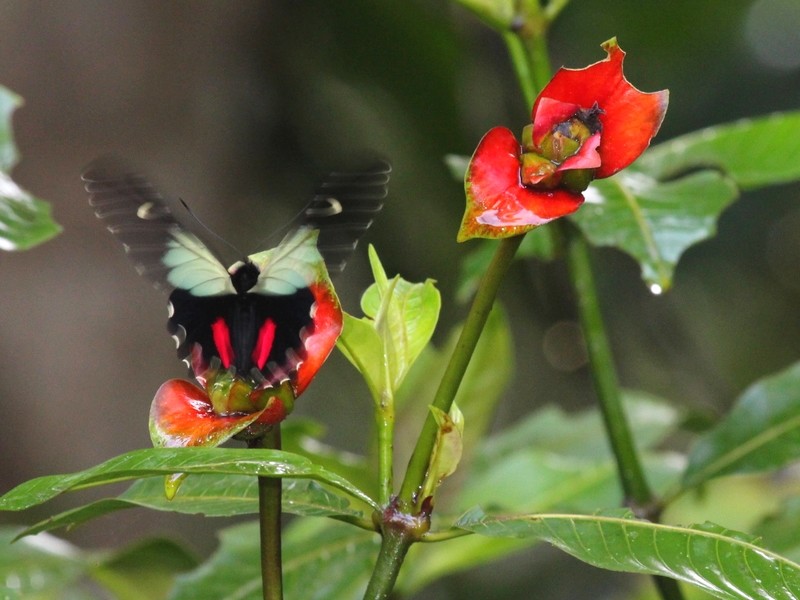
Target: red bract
x=585, y=124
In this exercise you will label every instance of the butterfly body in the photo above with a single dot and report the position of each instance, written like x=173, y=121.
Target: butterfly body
x=257, y=318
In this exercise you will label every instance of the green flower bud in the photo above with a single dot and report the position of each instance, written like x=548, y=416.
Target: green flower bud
x=534, y=169
x=527, y=138
x=577, y=180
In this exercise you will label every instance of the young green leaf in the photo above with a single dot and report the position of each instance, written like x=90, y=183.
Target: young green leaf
x=448, y=448
x=761, y=432
x=24, y=220
x=401, y=316
x=727, y=564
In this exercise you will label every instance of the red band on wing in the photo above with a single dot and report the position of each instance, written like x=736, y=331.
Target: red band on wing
x=222, y=340
x=266, y=335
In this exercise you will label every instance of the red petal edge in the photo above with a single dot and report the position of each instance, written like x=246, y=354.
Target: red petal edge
x=630, y=118
x=498, y=205
x=181, y=415
x=327, y=320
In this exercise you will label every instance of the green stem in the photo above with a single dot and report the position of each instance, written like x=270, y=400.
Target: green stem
x=269, y=511
x=393, y=551
x=604, y=374
x=384, y=416
x=445, y=394
x=527, y=47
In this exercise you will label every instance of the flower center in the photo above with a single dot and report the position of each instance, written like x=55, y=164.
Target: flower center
x=566, y=155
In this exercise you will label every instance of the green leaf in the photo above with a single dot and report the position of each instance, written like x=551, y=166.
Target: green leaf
x=303, y=436
x=145, y=571
x=558, y=461
x=781, y=531
x=761, y=432
x=209, y=495
x=725, y=563
x=402, y=316
x=24, y=220
x=653, y=221
x=753, y=152
x=550, y=461
x=40, y=568
x=447, y=450
x=165, y=461
x=322, y=560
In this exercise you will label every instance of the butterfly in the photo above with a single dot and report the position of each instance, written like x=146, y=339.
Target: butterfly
x=257, y=317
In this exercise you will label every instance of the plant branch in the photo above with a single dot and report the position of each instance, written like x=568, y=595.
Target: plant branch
x=445, y=394
x=393, y=551
x=269, y=511
x=603, y=372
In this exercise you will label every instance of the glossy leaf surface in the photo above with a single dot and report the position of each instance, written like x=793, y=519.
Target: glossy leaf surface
x=655, y=222
x=753, y=152
x=162, y=461
x=209, y=495
x=725, y=563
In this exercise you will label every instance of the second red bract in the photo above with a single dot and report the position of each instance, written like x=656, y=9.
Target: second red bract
x=585, y=124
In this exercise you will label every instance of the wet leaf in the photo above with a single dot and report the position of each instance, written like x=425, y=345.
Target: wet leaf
x=164, y=461
x=209, y=495
x=725, y=563
x=655, y=222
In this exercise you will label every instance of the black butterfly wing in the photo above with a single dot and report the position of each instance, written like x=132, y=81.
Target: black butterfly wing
x=343, y=208
x=157, y=245
x=211, y=317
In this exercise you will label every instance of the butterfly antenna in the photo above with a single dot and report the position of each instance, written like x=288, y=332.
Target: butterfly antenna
x=209, y=230
x=318, y=207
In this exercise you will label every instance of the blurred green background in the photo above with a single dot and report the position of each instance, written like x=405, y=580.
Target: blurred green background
x=238, y=107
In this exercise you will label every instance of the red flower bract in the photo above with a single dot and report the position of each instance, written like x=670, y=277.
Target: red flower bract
x=585, y=124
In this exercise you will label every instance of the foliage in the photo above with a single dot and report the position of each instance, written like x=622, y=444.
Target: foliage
x=471, y=495
x=24, y=220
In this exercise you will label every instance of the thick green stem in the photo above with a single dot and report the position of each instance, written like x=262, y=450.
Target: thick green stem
x=269, y=511
x=445, y=394
x=393, y=551
x=604, y=374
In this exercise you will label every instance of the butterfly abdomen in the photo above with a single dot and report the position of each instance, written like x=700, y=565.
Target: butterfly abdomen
x=247, y=331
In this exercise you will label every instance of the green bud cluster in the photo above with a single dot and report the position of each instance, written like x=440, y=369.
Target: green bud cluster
x=539, y=163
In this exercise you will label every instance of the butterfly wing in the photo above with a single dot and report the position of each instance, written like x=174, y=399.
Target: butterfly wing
x=343, y=208
x=160, y=249
x=261, y=329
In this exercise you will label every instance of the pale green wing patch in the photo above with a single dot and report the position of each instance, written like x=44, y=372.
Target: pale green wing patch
x=192, y=266
x=293, y=265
